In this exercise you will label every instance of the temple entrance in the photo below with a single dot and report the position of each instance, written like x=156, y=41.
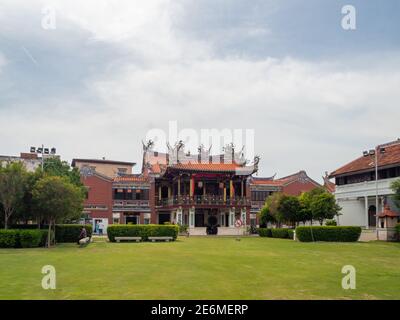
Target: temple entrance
x=371, y=216
x=199, y=219
x=132, y=219
x=164, y=217
x=212, y=226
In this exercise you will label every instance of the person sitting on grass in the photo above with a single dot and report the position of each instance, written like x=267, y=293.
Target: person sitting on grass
x=82, y=235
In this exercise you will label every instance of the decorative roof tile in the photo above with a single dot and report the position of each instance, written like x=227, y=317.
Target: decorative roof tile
x=363, y=163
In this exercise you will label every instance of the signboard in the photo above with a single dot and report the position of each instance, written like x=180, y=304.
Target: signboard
x=238, y=223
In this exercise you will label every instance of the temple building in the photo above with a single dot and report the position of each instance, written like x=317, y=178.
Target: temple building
x=208, y=193
x=366, y=198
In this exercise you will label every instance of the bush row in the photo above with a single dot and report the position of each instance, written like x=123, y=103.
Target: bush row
x=71, y=232
x=22, y=238
x=64, y=232
x=328, y=233
x=144, y=231
x=282, y=233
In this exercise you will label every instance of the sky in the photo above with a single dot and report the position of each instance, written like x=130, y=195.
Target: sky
x=93, y=77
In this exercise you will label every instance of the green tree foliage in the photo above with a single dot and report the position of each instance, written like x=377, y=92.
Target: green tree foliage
x=396, y=188
x=270, y=211
x=25, y=210
x=305, y=202
x=316, y=204
x=55, y=167
x=266, y=216
x=323, y=206
x=57, y=199
x=289, y=210
x=13, y=178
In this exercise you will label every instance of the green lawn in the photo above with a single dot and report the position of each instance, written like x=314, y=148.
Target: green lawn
x=204, y=268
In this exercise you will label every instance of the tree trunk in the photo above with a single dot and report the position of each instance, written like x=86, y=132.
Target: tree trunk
x=49, y=235
x=54, y=238
x=7, y=214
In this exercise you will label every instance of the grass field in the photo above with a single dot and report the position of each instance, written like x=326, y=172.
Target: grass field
x=204, y=268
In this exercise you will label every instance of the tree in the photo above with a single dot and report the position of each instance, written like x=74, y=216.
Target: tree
x=306, y=199
x=266, y=216
x=289, y=209
x=55, y=167
x=57, y=199
x=396, y=188
x=272, y=207
x=25, y=210
x=12, y=188
x=323, y=206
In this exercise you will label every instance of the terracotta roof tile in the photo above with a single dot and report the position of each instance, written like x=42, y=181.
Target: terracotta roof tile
x=216, y=167
x=390, y=157
x=387, y=212
x=131, y=178
x=282, y=181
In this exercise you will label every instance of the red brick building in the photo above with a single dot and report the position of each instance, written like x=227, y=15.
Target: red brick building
x=208, y=193
x=294, y=185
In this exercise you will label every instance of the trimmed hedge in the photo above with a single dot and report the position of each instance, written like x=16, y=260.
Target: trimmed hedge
x=144, y=231
x=23, y=238
x=71, y=232
x=30, y=238
x=264, y=232
x=64, y=232
x=328, y=233
x=281, y=233
x=8, y=238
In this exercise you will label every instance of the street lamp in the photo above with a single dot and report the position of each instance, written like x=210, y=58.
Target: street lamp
x=42, y=150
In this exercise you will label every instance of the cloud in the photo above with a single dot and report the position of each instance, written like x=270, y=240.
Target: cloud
x=3, y=61
x=124, y=69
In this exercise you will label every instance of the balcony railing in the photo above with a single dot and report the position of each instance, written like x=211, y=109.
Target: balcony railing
x=203, y=200
x=131, y=203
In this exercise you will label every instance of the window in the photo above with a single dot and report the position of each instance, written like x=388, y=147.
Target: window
x=259, y=195
x=122, y=170
x=146, y=220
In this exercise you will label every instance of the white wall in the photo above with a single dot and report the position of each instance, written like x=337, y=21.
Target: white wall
x=353, y=212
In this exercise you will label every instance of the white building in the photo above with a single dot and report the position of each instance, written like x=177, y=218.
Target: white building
x=31, y=161
x=357, y=189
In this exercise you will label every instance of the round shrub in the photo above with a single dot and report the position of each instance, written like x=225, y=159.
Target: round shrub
x=328, y=233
